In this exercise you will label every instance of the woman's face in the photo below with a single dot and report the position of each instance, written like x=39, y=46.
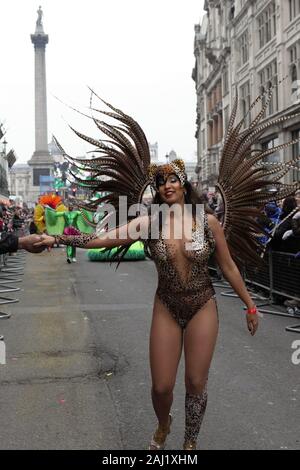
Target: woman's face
x=170, y=189
x=297, y=197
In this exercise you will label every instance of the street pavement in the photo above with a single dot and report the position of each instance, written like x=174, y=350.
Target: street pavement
x=77, y=373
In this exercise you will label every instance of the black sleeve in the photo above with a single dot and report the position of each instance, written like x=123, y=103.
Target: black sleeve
x=9, y=243
x=279, y=232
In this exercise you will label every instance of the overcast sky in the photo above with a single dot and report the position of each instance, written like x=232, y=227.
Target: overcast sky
x=137, y=54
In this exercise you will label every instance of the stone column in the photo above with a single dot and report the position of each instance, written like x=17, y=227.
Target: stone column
x=41, y=140
x=41, y=163
x=40, y=40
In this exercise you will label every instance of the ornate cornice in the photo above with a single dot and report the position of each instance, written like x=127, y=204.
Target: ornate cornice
x=220, y=61
x=39, y=40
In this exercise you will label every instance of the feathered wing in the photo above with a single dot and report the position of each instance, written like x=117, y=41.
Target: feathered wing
x=55, y=221
x=84, y=222
x=119, y=168
x=245, y=181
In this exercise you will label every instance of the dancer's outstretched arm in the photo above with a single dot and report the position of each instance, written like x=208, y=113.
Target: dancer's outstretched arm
x=120, y=236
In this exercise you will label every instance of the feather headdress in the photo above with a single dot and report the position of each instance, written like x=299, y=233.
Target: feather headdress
x=123, y=169
x=176, y=167
x=247, y=183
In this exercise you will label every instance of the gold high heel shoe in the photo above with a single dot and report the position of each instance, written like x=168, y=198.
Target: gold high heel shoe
x=189, y=445
x=158, y=440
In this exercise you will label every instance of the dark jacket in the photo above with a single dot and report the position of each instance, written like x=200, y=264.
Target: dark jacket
x=17, y=222
x=8, y=243
x=290, y=245
x=32, y=228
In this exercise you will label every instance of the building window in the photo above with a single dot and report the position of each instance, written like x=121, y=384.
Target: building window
x=202, y=115
x=294, y=8
x=209, y=135
x=209, y=103
x=220, y=136
x=214, y=97
x=243, y=45
x=267, y=24
x=219, y=92
x=294, y=77
x=37, y=172
x=225, y=82
x=204, y=168
x=295, y=154
x=226, y=118
x=245, y=103
x=293, y=54
x=268, y=78
x=203, y=139
x=274, y=157
x=294, y=72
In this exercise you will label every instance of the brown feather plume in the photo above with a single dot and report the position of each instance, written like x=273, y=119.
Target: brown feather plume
x=119, y=168
x=245, y=181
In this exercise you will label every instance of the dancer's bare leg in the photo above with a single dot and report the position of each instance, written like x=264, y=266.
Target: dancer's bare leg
x=166, y=340
x=199, y=344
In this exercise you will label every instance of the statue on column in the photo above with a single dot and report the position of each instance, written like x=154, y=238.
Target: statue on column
x=40, y=16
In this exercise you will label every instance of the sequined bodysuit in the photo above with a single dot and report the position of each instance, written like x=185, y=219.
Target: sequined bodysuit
x=184, y=284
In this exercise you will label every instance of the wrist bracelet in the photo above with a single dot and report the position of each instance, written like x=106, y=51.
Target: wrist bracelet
x=252, y=311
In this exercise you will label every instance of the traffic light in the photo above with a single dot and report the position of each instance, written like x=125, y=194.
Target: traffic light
x=74, y=191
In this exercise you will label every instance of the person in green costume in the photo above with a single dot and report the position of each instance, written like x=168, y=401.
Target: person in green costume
x=70, y=229
x=69, y=222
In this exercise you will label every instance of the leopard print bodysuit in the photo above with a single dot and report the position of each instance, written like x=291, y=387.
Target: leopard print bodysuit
x=184, y=284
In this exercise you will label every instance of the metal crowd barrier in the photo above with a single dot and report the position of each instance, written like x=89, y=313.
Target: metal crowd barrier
x=7, y=281
x=10, y=267
x=280, y=276
x=221, y=282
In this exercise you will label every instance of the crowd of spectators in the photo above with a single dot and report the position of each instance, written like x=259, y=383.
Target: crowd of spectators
x=14, y=219
x=281, y=221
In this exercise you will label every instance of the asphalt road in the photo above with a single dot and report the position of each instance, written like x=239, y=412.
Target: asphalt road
x=77, y=373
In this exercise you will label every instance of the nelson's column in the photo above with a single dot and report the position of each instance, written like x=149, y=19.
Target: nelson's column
x=41, y=162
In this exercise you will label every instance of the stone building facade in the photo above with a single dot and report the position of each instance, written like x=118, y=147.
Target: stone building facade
x=248, y=45
x=6, y=162
x=19, y=183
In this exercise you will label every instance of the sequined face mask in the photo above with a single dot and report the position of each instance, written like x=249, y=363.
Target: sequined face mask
x=158, y=174
x=161, y=179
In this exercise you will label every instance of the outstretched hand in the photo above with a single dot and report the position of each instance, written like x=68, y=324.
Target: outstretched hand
x=44, y=241
x=29, y=242
x=252, y=323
